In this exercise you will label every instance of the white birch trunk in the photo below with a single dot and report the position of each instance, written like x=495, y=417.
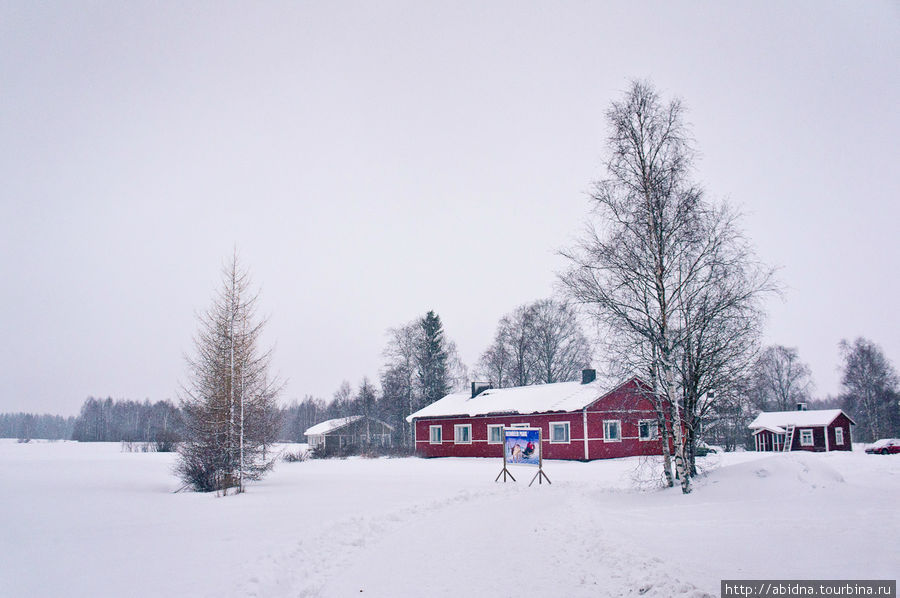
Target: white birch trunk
x=662, y=429
x=671, y=391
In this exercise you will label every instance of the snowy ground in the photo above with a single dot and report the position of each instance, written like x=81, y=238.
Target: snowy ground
x=90, y=520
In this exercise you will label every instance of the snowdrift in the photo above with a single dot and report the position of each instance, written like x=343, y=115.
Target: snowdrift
x=773, y=477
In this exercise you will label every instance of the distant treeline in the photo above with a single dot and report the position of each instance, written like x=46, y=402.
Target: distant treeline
x=108, y=420
x=100, y=420
x=105, y=420
x=29, y=425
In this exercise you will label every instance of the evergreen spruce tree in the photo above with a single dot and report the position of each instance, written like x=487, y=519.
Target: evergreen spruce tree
x=422, y=367
x=433, y=358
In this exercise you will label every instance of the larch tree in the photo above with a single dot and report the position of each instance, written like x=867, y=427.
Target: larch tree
x=229, y=400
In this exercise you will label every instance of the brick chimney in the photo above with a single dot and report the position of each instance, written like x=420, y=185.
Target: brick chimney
x=801, y=406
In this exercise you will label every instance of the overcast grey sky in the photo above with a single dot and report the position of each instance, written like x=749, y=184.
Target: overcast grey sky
x=374, y=160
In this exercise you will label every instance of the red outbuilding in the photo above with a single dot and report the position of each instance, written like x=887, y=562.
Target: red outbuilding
x=818, y=430
x=583, y=421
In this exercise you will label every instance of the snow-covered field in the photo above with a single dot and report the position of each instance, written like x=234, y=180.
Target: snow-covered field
x=90, y=520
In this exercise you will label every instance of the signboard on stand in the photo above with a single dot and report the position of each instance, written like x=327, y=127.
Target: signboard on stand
x=522, y=446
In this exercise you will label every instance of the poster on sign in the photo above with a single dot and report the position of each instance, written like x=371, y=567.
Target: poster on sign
x=522, y=446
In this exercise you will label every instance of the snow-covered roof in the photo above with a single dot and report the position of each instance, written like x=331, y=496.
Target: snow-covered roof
x=336, y=424
x=777, y=420
x=521, y=400
x=775, y=429
x=331, y=425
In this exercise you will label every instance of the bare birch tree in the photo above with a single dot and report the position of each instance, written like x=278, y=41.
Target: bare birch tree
x=870, y=389
x=559, y=348
x=229, y=401
x=496, y=363
x=632, y=270
x=509, y=360
x=667, y=275
x=342, y=403
x=779, y=379
x=517, y=334
x=628, y=353
x=398, y=382
x=720, y=317
x=537, y=343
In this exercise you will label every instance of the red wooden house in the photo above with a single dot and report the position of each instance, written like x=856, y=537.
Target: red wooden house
x=620, y=422
x=802, y=430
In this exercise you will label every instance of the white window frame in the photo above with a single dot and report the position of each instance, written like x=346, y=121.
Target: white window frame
x=568, y=427
x=440, y=434
x=520, y=425
x=812, y=437
x=652, y=424
x=606, y=423
x=491, y=427
x=456, y=434
x=839, y=436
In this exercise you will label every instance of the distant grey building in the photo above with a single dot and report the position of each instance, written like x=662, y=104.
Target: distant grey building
x=356, y=430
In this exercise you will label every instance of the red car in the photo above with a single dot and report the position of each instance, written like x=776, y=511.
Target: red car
x=885, y=446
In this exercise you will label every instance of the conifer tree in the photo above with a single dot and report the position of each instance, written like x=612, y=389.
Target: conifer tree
x=432, y=357
x=422, y=366
x=229, y=400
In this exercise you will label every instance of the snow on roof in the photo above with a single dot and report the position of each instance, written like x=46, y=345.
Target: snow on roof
x=777, y=420
x=541, y=398
x=775, y=429
x=331, y=425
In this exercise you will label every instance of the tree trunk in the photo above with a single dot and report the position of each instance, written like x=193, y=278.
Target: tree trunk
x=662, y=428
x=690, y=438
x=677, y=432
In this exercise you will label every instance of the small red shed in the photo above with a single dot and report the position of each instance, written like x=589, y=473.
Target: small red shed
x=578, y=420
x=818, y=430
